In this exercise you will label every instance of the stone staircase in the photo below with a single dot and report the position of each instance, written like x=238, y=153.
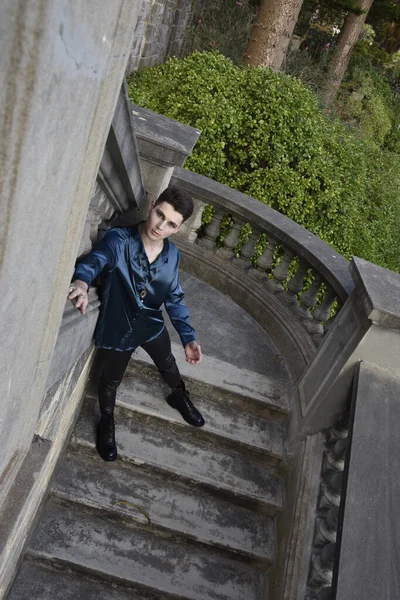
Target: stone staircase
x=184, y=513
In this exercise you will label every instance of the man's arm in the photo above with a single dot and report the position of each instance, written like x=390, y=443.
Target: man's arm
x=105, y=254
x=179, y=314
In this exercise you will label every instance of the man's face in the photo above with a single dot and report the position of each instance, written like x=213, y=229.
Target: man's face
x=162, y=221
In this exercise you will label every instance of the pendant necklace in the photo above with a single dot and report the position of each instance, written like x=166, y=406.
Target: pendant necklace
x=143, y=292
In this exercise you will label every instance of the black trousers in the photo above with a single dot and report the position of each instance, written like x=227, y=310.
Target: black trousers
x=115, y=364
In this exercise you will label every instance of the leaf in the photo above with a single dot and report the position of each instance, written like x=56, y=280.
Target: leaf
x=139, y=508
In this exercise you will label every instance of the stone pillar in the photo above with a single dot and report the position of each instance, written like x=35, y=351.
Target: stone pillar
x=163, y=144
x=368, y=540
x=61, y=68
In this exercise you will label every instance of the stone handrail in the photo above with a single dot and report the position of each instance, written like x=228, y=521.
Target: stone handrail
x=329, y=268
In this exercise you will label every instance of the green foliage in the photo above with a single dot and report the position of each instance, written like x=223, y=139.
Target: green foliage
x=369, y=105
x=309, y=69
x=263, y=134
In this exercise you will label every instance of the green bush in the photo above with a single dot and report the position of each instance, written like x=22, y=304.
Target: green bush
x=369, y=105
x=263, y=134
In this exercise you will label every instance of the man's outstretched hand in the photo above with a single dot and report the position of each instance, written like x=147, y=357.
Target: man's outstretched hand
x=78, y=294
x=193, y=353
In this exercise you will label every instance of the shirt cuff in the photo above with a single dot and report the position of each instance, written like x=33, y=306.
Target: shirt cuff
x=82, y=278
x=187, y=338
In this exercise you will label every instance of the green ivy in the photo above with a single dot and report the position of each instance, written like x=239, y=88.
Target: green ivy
x=264, y=134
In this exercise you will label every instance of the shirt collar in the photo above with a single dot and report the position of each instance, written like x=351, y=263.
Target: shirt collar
x=164, y=252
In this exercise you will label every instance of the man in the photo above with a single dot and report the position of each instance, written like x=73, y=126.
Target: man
x=139, y=268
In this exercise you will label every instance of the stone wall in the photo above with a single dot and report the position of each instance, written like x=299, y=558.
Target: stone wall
x=160, y=31
x=58, y=93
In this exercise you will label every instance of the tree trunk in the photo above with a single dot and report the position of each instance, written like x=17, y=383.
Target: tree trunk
x=271, y=33
x=347, y=38
x=391, y=43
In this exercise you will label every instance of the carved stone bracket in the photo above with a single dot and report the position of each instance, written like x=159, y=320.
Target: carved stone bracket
x=324, y=548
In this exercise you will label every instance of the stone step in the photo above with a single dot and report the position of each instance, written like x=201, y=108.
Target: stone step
x=38, y=580
x=145, y=392
x=169, y=505
x=75, y=538
x=179, y=453
x=217, y=378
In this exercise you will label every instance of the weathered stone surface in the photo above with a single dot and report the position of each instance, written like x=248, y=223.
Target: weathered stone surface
x=178, y=451
x=162, y=139
x=160, y=31
x=222, y=380
x=287, y=332
x=25, y=498
x=369, y=538
x=37, y=581
x=229, y=333
x=296, y=523
x=61, y=68
x=75, y=336
x=365, y=329
x=119, y=168
x=57, y=401
x=163, y=143
x=142, y=557
x=12, y=511
x=145, y=393
x=380, y=290
x=175, y=507
x=346, y=333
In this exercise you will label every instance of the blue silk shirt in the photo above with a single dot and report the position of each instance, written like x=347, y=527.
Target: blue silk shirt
x=126, y=320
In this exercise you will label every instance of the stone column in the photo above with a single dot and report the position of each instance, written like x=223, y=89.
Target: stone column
x=61, y=68
x=163, y=144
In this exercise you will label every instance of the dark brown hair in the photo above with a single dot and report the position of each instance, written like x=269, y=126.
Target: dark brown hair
x=179, y=200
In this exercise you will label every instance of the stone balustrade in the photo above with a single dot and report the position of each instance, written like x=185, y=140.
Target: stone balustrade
x=279, y=259
x=283, y=271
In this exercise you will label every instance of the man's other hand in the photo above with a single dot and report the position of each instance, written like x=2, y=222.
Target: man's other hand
x=193, y=353
x=78, y=294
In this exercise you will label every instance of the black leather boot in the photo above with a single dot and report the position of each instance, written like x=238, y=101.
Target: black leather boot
x=105, y=445
x=180, y=400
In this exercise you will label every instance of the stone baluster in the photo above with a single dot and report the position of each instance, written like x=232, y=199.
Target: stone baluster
x=340, y=430
x=296, y=284
x=231, y=240
x=100, y=210
x=211, y=231
x=308, y=299
x=264, y=262
x=281, y=271
x=328, y=324
x=331, y=490
x=335, y=459
x=322, y=312
x=95, y=218
x=193, y=224
x=322, y=566
x=248, y=249
x=325, y=594
x=326, y=528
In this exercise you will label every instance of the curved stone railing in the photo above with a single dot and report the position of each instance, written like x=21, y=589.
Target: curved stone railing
x=292, y=257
